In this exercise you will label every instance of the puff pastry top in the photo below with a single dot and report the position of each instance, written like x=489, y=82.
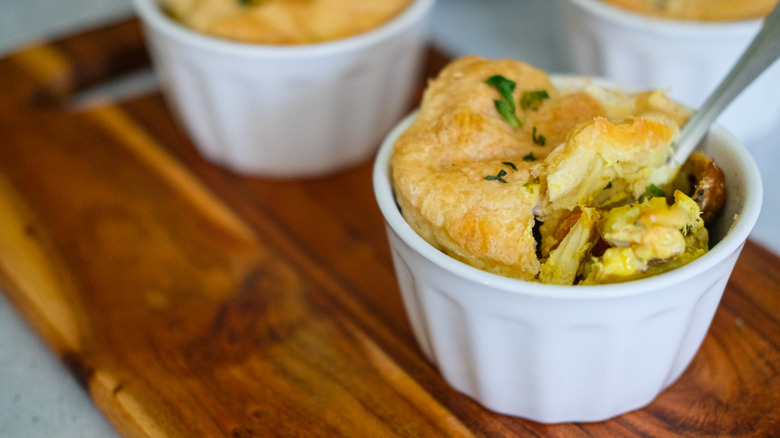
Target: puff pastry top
x=594, y=138
x=283, y=21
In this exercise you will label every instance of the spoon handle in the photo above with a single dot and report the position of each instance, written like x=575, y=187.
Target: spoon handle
x=762, y=52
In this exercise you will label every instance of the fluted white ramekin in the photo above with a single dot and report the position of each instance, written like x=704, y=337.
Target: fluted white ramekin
x=287, y=111
x=686, y=58
x=566, y=353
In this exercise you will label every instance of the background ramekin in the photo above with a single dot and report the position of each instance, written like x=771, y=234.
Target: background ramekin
x=686, y=58
x=287, y=111
x=566, y=353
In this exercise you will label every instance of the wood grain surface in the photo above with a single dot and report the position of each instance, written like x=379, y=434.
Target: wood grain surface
x=189, y=301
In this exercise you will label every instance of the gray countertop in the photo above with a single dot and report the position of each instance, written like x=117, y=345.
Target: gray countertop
x=38, y=398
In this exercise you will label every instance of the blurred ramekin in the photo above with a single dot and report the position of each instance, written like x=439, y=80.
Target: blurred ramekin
x=566, y=353
x=686, y=58
x=287, y=111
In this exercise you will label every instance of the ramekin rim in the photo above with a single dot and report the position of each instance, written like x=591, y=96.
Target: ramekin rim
x=152, y=14
x=629, y=19
x=732, y=242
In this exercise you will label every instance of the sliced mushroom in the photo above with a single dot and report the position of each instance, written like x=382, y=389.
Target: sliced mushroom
x=708, y=182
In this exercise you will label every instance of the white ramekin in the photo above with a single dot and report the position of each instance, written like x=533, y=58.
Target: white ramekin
x=287, y=111
x=687, y=59
x=566, y=353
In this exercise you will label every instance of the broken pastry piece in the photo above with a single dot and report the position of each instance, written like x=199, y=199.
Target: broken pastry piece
x=563, y=264
x=605, y=162
x=508, y=173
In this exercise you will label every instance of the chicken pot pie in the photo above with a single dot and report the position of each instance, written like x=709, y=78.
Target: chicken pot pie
x=513, y=175
x=283, y=21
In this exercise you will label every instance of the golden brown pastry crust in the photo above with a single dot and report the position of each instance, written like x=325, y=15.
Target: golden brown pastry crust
x=439, y=164
x=284, y=21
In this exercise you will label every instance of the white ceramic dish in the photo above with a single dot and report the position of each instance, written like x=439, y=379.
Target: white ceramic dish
x=555, y=353
x=688, y=59
x=287, y=111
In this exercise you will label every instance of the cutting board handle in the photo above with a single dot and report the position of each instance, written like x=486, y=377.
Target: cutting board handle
x=64, y=67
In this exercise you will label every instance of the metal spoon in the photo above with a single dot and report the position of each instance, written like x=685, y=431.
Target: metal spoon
x=762, y=52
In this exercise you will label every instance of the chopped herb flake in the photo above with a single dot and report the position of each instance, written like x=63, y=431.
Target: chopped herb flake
x=529, y=157
x=506, y=107
x=510, y=164
x=608, y=186
x=652, y=191
x=499, y=177
x=507, y=113
x=532, y=99
x=540, y=140
x=505, y=87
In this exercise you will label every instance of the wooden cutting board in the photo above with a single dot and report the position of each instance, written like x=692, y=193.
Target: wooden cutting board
x=189, y=301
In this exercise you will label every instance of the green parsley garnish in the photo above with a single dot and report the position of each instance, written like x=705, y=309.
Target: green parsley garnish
x=532, y=99
x=506, y=107
x=529, y=157
x=507, y=113
x=505, y=87
x=502, y=172
x=652, y=191
x=499, y=177
x=608, y=186
x=540, y=140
